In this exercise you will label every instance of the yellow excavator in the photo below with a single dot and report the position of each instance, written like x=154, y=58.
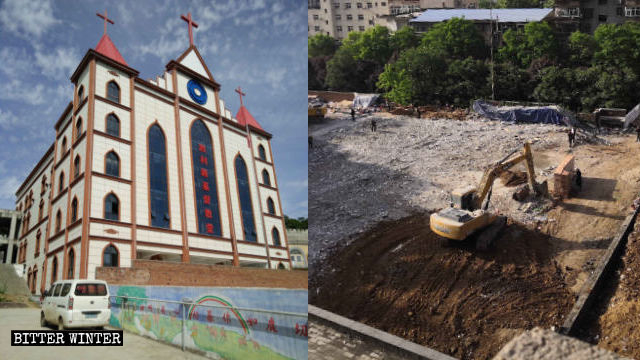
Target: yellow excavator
x=468, y=213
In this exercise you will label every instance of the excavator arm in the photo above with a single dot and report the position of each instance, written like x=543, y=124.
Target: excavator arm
x=501, y=166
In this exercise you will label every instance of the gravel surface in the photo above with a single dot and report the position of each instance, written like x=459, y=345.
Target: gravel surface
x=408, y=165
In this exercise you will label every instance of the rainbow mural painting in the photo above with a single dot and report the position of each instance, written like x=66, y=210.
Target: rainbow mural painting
x=223, y=330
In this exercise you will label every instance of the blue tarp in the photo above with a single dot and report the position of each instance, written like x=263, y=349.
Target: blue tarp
x=544, y=115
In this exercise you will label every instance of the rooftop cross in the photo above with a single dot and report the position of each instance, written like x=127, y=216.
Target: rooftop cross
x=239, y=91
x=106, y=19
x=191, y=24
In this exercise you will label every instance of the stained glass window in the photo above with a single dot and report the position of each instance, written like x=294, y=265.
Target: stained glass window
x=246, y=208
x=159, y=196
x=113, y=125
x=204, y=175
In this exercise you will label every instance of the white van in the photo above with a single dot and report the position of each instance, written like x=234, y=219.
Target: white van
x=76, y=303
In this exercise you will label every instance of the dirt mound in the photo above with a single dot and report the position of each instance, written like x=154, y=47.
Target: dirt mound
x=513, y=178
x=399, y=277
x=614, y=324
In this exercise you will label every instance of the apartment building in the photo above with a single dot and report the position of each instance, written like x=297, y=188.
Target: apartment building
x=586, y=16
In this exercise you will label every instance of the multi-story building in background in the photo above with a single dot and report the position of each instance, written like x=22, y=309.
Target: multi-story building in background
x=586, y=16
x=9, y=226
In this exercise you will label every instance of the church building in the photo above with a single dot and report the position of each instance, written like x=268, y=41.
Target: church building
x=150, y=169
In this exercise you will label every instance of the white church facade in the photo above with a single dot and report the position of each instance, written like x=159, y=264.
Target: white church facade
x=150, y=169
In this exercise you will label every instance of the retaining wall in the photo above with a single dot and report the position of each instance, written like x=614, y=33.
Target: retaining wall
x=148, y=272
x=227, y=331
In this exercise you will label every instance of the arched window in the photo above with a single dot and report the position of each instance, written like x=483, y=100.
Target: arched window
x=40, y=210
x=111, y=207
x=261, y=153
x=29, y=282
x=72, y=259
x=80, y=93
x=275, y=235
x=34, y=279
x=158, y=187
x=78, y=128
x=113, y=91
x=63, y=149
x=204, y=174
x=112, y=164
x=110, y=256
x=43, y=184
x=246, y=207
x=265, y=178
x=61, y=182
x=271, y=207
x=74, y=210
x=54, y=269
x=113, y=125
x=76, y=167
x=38, y=236
x=58, y=220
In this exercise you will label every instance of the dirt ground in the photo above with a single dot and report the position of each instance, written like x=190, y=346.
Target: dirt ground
x=403, y=282
x=399, y=277
x=614, y=323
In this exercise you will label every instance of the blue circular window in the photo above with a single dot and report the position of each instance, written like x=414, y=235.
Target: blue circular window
x=197, y=92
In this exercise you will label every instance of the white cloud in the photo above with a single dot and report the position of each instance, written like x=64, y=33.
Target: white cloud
x=57, y=64
x=297, y=184
x=7, y=119
x=15, y=61
x=30, y=18
x=8, y=187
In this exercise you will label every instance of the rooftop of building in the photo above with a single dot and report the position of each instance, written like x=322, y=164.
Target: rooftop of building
x=499, y=15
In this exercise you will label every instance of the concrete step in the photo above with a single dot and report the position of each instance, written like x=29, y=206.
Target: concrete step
x=11, y=281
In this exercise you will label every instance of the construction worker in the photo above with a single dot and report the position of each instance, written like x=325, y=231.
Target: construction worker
x=597, y=118
x=353, y=115
x=579, y=179
x=638, y=133
x=373, y=125
x=570, y=134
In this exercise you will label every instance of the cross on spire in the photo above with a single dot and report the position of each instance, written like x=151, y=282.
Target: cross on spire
x=191, y=24
x=241, y=94
x=106, y=20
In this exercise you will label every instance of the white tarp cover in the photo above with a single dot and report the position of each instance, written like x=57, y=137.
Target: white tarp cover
x=364, y=100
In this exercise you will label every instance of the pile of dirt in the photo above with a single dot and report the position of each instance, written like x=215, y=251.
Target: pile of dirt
x=513, y=178
x=614, y=324
x=453, y=114
x=407, y=111
x=402, y=278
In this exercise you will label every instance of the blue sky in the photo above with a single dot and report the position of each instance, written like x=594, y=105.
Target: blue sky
x=258, y=45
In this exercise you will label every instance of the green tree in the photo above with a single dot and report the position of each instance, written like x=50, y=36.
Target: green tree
x=617, y=87
x=404, y=39
x=372, y=45
x=556, y=85
x=317, y=72
x=618, y=45
x=416, y=78
x=522, y=47
x=466, y=80
x=322, y=45
x=582, y=47
x=300, y=223
x=457, y=38
x=341, y=70
x=518, y=4
x=512, y=83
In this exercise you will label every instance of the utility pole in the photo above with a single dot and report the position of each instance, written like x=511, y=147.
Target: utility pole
x=493, y=92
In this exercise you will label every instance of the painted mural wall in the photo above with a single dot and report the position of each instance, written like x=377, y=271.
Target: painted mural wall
x=216, y=322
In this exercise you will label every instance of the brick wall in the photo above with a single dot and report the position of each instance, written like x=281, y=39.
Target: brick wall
x=562, y=177
x=146, y=272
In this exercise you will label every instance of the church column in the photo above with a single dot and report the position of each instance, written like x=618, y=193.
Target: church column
x=185, y=238
x=284, y=225
x=132, y=151
x=234, y=243
x=86, y=211
x=255, y=178
x=12, y=229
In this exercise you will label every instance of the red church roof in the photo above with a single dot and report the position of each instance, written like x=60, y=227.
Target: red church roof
x=107, y=48
x=245, y=118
